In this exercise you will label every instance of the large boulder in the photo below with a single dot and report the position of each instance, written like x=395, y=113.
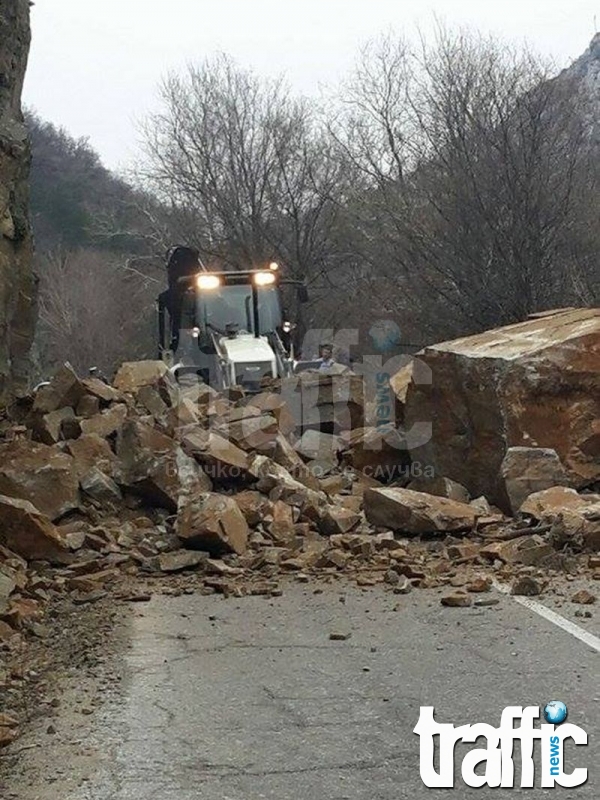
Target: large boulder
x=17, y=280
x=28, y=533
x=40, y=474
x=416, y=512
x=533, y=384
x=324, y=401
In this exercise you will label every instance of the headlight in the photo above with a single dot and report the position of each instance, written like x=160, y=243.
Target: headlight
x=264, y=278
x=208, y=281
x=274, y=266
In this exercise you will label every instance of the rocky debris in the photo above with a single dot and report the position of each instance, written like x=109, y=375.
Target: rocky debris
x=134, y=375
x=41, y=474
x=154, y=467
x=28, y=533
x=151, y=482
x=526, y=586
x=533, y=384
x=574, y=518
x=213, y=523
x=583, y=597
x=526, y=470
x=416, y=512
x=441, y=487
x=457, y=600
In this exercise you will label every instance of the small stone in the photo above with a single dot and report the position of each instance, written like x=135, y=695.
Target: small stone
x=339, y=636
x=457, y=600
x=583, y=598
x=526, y=586
x=482, y=602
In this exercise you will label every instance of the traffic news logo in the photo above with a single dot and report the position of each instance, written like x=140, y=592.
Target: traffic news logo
x=497, y=756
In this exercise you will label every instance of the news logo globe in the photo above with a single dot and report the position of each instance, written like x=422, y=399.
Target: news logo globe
x=385, y=335
x=555, y=712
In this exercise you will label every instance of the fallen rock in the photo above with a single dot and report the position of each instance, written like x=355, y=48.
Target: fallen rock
x=91, y=451
x=213, y=523
x=320, y=446
x=222, y=460
x=457, y=600
x=28, y=533
x=526, y=586
x=526, y=470
x=441, y=487
x=533, y=384
x=575, y=518
x=180, y=560
x=154, y=467
x=583, y=597
x=416, y=512
x=65, y=389
x=106, y=422
x=133, y=375
x=99, y=486
x=40, y=474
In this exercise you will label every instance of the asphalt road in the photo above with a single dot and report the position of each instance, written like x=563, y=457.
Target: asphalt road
x=242, y=699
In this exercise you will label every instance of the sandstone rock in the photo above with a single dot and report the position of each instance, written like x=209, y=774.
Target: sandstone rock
x=49, y=427
x=133, y=375
x=457, y=600
x=377, y=453
x=526, y=586
x=575, y=518
x=28, y=533
x=326, y=402
x=40, y=474
x=416, y=512
x=91, y=451
x=281, y=527
x=441, y=487
x=526, y=470
x=180, y=560
x=222, y=460
x=319, y=445
x=149, y=397
x=254, y=506
x=336, y=519
x=155, y=467
x=253, y=433
x=65, y=389
x=99, y=486
x=102, y=391
x=583, y=597
x=274, y=405
x=106, y=422
x=529, y=550
x=213, y=523
x=88, y=406
x=533, y=384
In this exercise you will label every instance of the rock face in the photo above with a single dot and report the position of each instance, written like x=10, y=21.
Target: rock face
x=527, y=470
x=534, y=384
x=17, y=283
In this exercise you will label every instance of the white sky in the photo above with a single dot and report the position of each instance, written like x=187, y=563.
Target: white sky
x=95, y=64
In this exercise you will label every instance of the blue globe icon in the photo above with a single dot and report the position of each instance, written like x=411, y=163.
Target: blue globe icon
x=555, y=712
x=385, y=335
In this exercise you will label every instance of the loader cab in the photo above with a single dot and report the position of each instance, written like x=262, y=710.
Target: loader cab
x=226, y=327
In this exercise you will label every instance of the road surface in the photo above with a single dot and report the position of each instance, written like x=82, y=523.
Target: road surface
x=241, y=699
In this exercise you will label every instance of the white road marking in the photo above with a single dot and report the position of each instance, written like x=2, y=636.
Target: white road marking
x=556, y=619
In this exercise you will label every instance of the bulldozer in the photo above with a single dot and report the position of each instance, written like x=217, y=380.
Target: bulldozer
x=225, y=328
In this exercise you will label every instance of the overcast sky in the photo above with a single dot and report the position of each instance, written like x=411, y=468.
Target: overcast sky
x=95, y=64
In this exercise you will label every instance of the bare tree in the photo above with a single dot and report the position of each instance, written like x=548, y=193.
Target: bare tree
x=471, y=159
x=243, y=169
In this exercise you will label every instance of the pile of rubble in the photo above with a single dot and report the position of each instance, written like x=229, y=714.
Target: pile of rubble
x=111, y=487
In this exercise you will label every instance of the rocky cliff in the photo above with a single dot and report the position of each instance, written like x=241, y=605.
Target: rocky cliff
x=17, y=282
